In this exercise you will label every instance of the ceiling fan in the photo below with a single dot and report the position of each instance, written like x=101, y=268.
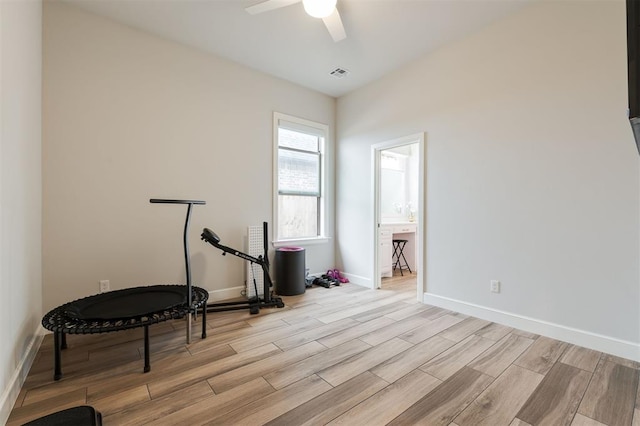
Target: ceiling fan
x=323, y=9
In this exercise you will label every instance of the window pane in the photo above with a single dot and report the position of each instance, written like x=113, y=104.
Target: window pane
x=291, y=139
x=298, y=178
x=299, y=172
x=298, y=216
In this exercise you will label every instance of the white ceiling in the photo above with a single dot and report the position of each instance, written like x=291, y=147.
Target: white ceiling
x=382, y=35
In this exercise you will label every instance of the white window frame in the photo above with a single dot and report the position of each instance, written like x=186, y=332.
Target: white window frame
x=322, y=130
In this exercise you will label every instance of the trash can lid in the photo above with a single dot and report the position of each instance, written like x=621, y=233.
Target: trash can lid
x=290, y=249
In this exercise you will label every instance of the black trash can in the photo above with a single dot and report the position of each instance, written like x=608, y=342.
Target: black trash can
x=290, y=271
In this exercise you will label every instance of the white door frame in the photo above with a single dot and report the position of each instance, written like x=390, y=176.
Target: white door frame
x=376, y=150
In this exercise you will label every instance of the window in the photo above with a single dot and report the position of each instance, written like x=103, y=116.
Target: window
x=298, y=178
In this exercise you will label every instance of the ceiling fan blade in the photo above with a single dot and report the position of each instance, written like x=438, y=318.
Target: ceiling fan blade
x=268, y=5
x=334, y=25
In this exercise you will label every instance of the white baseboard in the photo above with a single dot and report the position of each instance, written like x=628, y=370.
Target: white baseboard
x=10, y=393
x=358, y=280
x=226, y=293
x=599, y=342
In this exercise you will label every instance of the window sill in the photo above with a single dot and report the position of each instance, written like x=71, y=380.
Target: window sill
x=300, y=242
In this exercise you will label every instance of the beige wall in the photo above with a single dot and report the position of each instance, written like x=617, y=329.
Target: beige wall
x=532, y=172
x=20, y=194
x=127, y=117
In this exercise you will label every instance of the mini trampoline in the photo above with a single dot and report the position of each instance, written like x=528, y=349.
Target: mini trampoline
x=131, y=307
x=121, y=310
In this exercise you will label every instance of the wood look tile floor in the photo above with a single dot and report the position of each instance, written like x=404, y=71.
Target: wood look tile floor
x=345, y=355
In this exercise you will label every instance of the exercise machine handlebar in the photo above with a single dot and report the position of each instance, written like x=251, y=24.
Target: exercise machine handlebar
x=212, y=238
x=185, y=242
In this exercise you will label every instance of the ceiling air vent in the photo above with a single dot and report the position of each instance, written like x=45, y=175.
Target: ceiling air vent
x=339, y=73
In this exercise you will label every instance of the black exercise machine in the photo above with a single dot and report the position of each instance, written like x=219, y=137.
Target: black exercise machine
x=256, y=303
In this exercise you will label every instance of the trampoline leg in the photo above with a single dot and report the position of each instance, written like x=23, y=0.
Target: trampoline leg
x=57, y=337
x=64, y=340
x=204, y=322
x=147, y=364
x=188, y=328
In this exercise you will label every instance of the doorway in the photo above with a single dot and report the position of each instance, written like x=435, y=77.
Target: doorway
x=399, y=206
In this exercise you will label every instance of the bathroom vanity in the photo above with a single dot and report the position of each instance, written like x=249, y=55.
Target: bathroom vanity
x=396, y=230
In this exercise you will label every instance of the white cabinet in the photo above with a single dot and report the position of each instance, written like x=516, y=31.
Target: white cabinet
x=385, y=251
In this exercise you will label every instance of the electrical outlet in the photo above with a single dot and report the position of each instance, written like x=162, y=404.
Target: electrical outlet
x=495, y=286
x=104, y=286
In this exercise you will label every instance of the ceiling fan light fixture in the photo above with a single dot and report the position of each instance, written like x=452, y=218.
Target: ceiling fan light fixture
x=319, y=8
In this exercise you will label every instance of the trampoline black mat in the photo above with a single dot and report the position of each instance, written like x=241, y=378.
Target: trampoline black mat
x=127, y=303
